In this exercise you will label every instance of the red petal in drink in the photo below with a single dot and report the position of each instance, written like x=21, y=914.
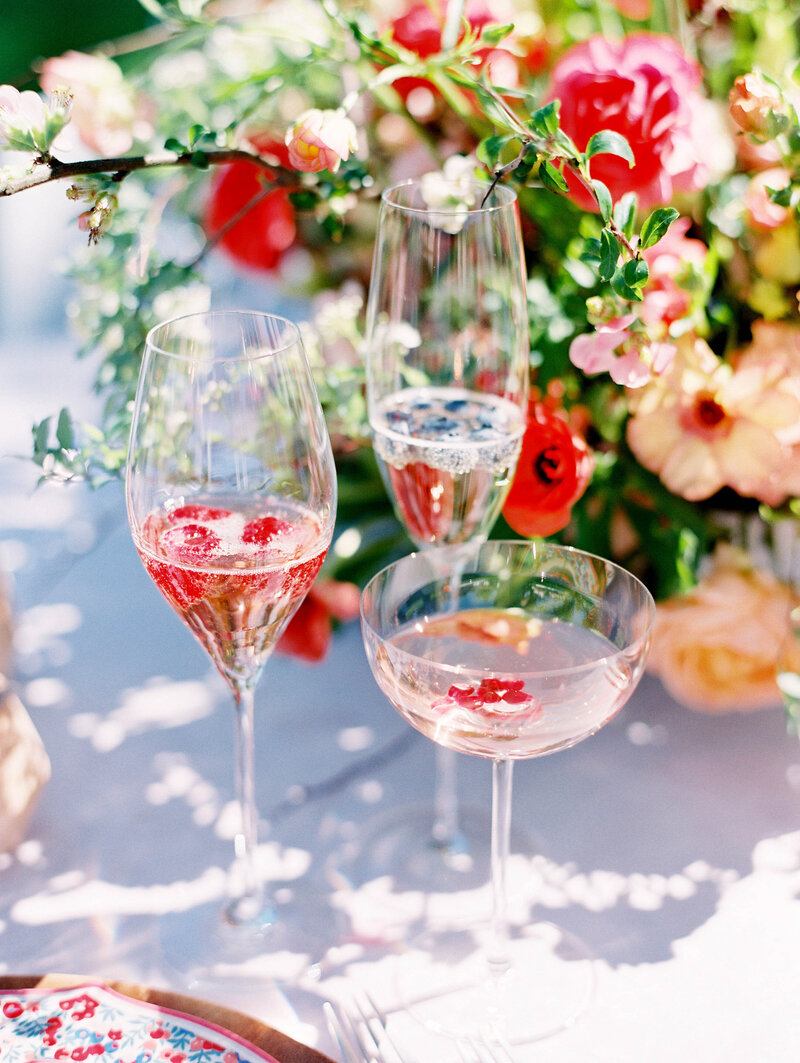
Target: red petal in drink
x=424, y=497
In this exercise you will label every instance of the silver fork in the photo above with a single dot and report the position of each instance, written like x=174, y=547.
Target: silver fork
x=481, y=1051
x=360, y=1032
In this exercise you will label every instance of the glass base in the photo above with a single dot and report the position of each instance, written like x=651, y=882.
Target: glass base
x=444, y=980
x=399, y=846
x=285, y=944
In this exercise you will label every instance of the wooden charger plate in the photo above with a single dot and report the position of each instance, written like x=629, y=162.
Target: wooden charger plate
x=284, y=1049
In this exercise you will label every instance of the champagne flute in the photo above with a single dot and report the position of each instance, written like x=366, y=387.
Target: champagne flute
x=545, y=644
x=447, y=389
x=231, y=497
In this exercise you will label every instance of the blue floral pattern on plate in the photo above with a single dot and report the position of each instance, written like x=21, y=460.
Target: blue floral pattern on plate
x=94, y=1024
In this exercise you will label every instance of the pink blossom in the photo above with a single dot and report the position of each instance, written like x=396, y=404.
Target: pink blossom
x=320, y=140
x=672, y=262
x=648, y=90
x=30, y=123
x=630, y=358
x=104, y=110
x=704, y=425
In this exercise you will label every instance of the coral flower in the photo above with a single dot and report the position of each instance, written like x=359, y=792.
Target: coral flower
x=553, y=471
x=267, y=230
x=704, y=425
x=308, y=633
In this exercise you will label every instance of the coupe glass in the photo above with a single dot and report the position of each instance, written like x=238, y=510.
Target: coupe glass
x=231, y=496
x=526, y=648
x=447, y=391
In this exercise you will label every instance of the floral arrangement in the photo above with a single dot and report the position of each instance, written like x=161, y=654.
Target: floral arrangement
x=655, y=149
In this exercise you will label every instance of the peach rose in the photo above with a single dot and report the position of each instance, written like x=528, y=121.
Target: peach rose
x=716, y=648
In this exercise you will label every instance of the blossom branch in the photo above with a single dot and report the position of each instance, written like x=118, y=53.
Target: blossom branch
x=49, y=169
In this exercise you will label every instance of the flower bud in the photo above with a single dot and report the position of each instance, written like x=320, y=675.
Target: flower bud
x=757, y=106
x=320, y=140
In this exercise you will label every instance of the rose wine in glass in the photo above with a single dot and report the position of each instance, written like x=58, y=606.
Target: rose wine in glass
x=523, y=649
x=447, y=390
x=231, y=496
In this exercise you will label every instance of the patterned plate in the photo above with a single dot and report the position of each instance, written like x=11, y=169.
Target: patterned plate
x=93, y=1022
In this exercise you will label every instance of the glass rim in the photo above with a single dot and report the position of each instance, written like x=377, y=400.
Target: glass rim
x=461, y=670
x=503, y=192
x=151, y=345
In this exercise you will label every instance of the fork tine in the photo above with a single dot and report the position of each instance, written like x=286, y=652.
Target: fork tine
x=486, y=1052
x=375, y=1019
x=361, y=1033
x=340, y=1036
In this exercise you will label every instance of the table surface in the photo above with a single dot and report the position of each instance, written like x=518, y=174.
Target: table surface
x=669, y=842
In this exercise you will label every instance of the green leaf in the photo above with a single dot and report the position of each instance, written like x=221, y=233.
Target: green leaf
x=64, y=432
x=609, y=254
x=636, y=272
x=490, y=149
x=592, y=250
x=781, y=196
x=603, y=197
x=491, y=107
x=625, y=213
x=173, y=144
x=607, y=142
x=552, y=178
x=624, y=290
x=41, y=435
x=200, y=160
x=495, y=34
x=544, y=121
x=655, y=226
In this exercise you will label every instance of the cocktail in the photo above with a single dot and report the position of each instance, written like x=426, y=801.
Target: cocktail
x=231, y=495
x=447, y=357
x=521, y=650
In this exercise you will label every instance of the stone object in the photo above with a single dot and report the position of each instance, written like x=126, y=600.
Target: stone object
x=24, y=768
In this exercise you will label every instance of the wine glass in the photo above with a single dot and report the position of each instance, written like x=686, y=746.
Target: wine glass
x=545, y=644
x=447, y=359
x=231, y=497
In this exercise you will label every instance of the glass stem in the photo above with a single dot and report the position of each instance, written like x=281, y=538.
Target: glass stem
x=248, y=901
x=445, y=823
x=502, y=773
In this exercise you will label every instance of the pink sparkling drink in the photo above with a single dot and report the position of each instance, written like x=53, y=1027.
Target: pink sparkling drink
x=500, y=682
x=234, y=574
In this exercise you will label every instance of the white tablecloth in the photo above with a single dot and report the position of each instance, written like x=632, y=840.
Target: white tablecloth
x=670, y=841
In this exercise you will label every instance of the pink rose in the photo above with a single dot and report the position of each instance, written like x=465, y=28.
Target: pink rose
x=716, y=648
x=320, y=140
x=645, y=88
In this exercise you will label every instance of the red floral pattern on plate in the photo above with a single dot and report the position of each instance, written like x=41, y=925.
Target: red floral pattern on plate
x=94, y=1023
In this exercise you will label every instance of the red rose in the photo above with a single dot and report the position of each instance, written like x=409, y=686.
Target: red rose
x=308, y=633
x=645, y=88
x=553, y=471
x=419, y=29
x=262, y=235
